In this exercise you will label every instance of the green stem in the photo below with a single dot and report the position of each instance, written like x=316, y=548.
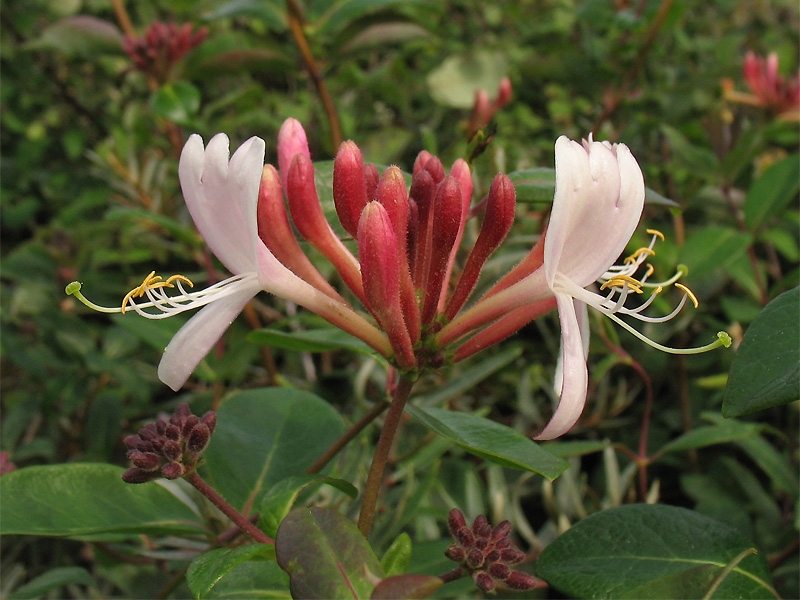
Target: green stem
x=230, y=512
x=376, y=469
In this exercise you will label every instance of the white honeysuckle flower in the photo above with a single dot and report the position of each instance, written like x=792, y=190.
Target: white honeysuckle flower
x=222, y=197
x=598, y=202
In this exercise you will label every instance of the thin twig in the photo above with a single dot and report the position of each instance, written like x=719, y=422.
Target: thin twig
x=354, y=430
x=296, y=18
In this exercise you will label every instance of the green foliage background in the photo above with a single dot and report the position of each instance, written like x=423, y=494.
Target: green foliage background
x=90, y=191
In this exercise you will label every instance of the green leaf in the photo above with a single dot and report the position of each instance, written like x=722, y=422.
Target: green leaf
x=272, y=12
x=314, y=340
x=81, y=35
x=713, y=248
x=576, y=448
x=80, y=499
x=340, y=14
x=489, y=440
x=406, y=586
x=771, y=192
x=396, y=558
x=52, y=580
x=766, y=369
x=729, y=431
x=177, y=101
x=534, y=185
x=697, y=158
x=455, y=81
x=280, y=498
x=325, y=555
x=208, y=569
x=266, y=435
x=651, y=551
x=250, y=580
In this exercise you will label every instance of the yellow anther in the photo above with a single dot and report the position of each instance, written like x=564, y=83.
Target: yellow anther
x=656, y=233
x=658, y=290
x=649, y=271
x=632, y=258
x=621, y=280
x=689, y=293
x=151, y=282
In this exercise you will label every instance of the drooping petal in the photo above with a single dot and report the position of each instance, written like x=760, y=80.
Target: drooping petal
x=598, y=202
x=575, y=376
x=194, y=340
x=222, y=197
x=582, y=313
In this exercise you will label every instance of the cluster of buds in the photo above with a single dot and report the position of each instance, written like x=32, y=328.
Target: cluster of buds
x=483, y=109
x=162, y=47
x=487, y=553
x=768, y=89
x=407, y=239
x=169, y=448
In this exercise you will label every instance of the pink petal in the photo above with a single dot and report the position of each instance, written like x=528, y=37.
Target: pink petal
x=575, y=376
x=196, y=338
x=292, y=140
x=222, y=198
x=598, y=202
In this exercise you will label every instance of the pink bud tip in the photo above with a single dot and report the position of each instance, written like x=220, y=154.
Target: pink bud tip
x=349, y=186
x=291, y=141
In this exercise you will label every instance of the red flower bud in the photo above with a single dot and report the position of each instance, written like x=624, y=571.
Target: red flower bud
x=291, y=142
x=136, y=475
x=475, y=559
x=522, y=581
x=173, y=432
x=310, y=221
x=371, y=178
x=496, y=225
x=210, y=420
x=419, y=163
x=189, y=425
x=501, y=531
x=349, y=187
x=499, y=570
x=144, y=460
x=455, y=553
x=455, y=521
x=172, y=470
x=380, y=273
x=198, y=438
x=172, y=450
x=512, y=556
x=464, y=537
x=484, y=581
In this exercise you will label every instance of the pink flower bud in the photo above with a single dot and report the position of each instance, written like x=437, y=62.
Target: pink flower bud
x=496, y=224
x=136, y=475
x=172, y=470
x=210, y=420
x=276, y=232
x=349, y=187
x=475, y=559
x=455, y=553
x=172, y=450
x=522, y=581
x=291, y=141
x=392, y=195
x=198, y=438
x=455, y=521
x=144, y=460
x=484, y=581
x=504, y=94
x=189, y=425
x=371, y=178
x=377, y=246
x=445, y=226
x=422, y=193
x=501, y=531
x=310, y=221
x=499, y=571
x=421, y=161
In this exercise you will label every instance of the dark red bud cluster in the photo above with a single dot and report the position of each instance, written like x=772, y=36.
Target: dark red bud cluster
x=162, y=47
x=487, y=553
x=169, y=448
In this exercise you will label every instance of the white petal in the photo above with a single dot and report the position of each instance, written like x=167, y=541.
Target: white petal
x=598, y=202
x=222, y=198
x=575, y=378
x=194, y=340
x=582, y=313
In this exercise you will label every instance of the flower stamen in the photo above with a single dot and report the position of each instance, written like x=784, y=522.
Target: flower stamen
x=152, y=282
x=689, y=293
x=656, y=233
x=633, y=257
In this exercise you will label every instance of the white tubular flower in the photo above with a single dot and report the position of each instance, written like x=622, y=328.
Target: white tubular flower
x=222, y=197
x=598, y=203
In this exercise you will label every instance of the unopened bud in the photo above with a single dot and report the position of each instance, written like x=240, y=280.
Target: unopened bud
x=172, y=450
x=133, y=441
x=475, y=559
x=144, y=460
x=493, y=556
x=210, y=420
x=172, y=432
x=455, y=553
x=501, y=531
x=481, y=543
x=522, y=581
x=479, y=524
x=161, y=426
x=504, y=94
x=136, y=475
x=291, y=141
x=349, y=187
x=371, y=178
x=499, y=570
x=421, y=161
x=502, y=544
x=455, y=521
x=172, y=470
x=497, y=223
x=512, y=556
x=148, y=432
x=189, y=425
x=464, y=537
x=484, y=581
x=380, y=273
x=435, y=167
x=198, y=438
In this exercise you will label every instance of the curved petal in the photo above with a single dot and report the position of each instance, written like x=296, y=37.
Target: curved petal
x=575, y=377
x=222, y=197
x=194, y=340
x=598, y=202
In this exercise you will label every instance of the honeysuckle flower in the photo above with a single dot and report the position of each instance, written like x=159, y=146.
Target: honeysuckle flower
x=768, y=89
x=597, y=205
x=222, y=197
